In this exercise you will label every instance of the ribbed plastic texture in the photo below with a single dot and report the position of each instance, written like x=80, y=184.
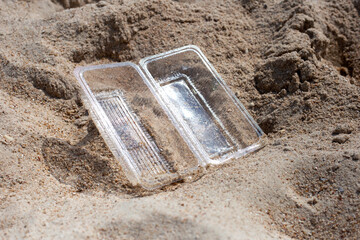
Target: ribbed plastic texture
x=146, y=156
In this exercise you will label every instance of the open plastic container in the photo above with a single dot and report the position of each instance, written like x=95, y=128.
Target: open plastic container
x=168, y=119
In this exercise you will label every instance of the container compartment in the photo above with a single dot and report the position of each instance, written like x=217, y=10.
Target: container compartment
x=135, y=126
x=219, y=125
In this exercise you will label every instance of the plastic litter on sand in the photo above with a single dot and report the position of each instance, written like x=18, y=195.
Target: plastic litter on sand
x=167, y=118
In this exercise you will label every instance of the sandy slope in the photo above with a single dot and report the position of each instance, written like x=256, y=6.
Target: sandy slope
x=294, y=65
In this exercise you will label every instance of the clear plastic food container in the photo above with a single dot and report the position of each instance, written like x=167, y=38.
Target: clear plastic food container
x=169, y=118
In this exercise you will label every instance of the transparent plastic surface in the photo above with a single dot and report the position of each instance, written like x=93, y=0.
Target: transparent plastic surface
x=214, y=120
x=170, y=122
x=138, y=131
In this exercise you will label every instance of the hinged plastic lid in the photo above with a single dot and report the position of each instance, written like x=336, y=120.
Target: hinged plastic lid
x=171, y=121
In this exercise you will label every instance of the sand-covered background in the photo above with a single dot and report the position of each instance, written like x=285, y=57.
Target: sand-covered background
x=295, y=65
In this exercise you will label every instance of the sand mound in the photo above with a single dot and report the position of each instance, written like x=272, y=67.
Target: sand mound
x=294, y=64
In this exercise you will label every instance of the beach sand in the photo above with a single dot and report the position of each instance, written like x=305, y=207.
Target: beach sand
x=295, y=65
